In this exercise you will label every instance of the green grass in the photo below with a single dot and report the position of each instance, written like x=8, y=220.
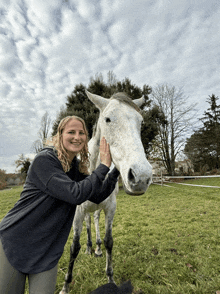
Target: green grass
x=8, y=198
x=165, y=241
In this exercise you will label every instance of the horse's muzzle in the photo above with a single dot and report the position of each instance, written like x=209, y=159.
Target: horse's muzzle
x=136, y=185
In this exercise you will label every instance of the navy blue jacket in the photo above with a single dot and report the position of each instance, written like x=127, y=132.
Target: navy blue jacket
x=35, y=230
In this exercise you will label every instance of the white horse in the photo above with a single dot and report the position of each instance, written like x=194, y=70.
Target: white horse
x=120, y=123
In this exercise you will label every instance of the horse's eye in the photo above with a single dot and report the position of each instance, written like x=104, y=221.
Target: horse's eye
x=107, y=119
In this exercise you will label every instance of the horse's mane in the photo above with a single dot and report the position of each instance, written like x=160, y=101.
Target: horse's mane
x=122, y=97
x=94, y=128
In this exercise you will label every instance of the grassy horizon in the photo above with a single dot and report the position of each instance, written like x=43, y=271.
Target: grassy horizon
x=165, y=241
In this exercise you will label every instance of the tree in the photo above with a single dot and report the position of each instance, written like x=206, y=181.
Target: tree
x=24, y=162
x=153, y=118
x=43, y=133
x=112, y=82
x=211, y=130
x=3, y=183
x=78, y=104
x=177, y=119
x=203, y=147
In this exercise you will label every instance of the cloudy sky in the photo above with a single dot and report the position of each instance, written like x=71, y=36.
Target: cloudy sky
x=47, y=47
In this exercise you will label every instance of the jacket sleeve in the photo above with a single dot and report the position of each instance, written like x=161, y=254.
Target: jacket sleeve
x=47, y=174
x=107, y=187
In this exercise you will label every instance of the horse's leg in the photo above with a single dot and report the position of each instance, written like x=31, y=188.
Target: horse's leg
x=89, y=234
x=74, y=249
x=108, y=241
x=98, y=251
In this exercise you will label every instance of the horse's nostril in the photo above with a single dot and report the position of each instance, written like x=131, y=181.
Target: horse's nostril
x=131, y=177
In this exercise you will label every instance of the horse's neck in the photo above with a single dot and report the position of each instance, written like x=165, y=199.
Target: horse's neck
x=94, y=151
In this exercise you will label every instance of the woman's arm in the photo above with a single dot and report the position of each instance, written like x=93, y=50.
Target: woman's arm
x=47, y=175
x=107, y=188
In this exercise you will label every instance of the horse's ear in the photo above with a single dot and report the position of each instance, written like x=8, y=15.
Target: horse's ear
x=139, y=101
x=99, y=101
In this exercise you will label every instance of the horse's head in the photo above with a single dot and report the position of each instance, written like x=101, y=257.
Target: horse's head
x=120, y=123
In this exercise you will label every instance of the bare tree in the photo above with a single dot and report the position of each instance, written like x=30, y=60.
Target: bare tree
x=24, y=163
x=178, y=114
x=43, y=133
x=112, y=83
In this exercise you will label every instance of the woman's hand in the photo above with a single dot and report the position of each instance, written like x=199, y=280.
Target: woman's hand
x=105, y=154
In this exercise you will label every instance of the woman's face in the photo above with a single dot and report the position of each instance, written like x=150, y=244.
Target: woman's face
x=74, y=137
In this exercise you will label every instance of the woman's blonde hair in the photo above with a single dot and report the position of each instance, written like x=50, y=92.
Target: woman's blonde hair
x=62, y=152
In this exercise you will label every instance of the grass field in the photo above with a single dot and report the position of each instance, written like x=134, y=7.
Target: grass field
x=165, y=241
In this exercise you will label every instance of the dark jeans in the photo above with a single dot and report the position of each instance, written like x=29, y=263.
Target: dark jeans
x=13, y=281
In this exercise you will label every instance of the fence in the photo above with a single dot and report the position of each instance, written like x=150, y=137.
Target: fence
x=160, y=180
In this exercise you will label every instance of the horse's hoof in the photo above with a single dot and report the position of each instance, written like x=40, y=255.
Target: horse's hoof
x=98, y=255
x=63, y=292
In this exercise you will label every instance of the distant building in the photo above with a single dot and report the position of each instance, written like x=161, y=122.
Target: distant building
x=157, y=167
x=182, y=167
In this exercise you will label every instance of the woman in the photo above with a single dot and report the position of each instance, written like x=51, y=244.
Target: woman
x=34, y=232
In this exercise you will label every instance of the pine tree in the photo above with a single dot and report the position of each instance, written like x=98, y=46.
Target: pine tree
x=203, y=147
x=78, y=104
x=211, y=130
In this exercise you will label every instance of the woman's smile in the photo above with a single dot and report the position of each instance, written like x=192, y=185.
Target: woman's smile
x=74, y=137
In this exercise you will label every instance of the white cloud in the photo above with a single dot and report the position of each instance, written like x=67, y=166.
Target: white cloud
x=4, y=89
x=43, y=16
x=7, y=163
x=47, y=47
x=86, y=8
x=10, y=64
x=16, y=21
x=24, y=48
